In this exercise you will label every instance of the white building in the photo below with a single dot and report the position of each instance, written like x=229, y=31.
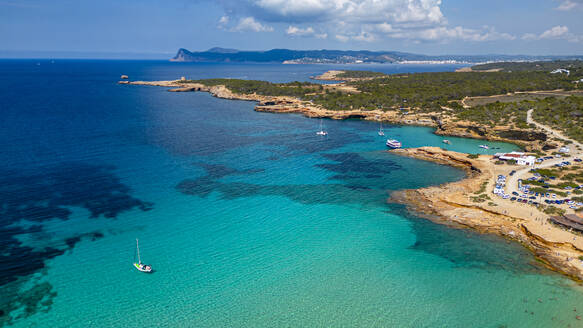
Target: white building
x=560, y=70
x=519, y=157
x=526, y=160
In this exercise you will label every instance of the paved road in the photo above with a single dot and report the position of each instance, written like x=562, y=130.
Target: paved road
x=512, y=182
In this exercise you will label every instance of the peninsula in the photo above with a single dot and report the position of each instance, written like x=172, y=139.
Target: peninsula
x=287, y=56
x=534, y=105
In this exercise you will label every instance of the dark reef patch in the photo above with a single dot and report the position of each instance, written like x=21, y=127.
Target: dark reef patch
x=217, y=171
x=307, y=194
x=47, y=194
x=360, y=166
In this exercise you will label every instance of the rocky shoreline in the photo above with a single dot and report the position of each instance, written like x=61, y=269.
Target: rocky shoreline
x=332, y=75
x=526, y=139
x=448, y=204
x=451, y=204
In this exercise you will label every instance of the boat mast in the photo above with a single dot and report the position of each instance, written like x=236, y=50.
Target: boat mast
x=138, y=247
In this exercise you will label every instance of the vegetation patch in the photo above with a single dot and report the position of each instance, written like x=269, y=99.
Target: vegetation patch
x=292, y=89
x=564, y=114
x=359, y=75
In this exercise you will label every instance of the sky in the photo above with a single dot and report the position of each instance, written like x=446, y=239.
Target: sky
x=158, y=28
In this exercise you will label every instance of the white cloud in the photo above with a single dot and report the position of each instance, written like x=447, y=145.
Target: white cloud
x=304, y=32
x=223, y=21
x=249, y=24
x=359, y=20
x=386, y=28
x=296, y=31
x=555, y=32
x=364, y=36
x=570, y=4
x=342, y=38
x=558, y=32
x=414, y=12
x=444, y=33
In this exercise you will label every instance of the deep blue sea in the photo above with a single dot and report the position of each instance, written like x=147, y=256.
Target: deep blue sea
x=249, y=219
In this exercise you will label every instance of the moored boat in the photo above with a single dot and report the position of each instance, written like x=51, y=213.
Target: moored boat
x=321, y=132
x=445, y=141
x=139, y=265
x=484, y=146
x=393, y=143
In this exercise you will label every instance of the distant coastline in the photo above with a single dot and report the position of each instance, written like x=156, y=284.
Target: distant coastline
x=287, y=56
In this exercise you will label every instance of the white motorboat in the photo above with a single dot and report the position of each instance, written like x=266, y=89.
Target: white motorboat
x=394, y=143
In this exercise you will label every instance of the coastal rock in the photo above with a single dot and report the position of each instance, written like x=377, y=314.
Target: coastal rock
x=285, y=104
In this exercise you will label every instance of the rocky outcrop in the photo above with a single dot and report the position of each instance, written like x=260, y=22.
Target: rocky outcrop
x=329, y=76
x=524, y=135
x=438, y=155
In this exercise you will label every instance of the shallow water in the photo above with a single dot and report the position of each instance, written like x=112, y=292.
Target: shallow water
x=249, y=219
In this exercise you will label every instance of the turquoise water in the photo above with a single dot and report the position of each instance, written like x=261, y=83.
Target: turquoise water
x=249, y=219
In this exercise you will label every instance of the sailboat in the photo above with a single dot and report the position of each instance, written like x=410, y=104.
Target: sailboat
x=381, y=132
x=321, y=132
x=139, y=265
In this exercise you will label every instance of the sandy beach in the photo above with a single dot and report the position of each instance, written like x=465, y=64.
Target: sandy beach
x=452, y=204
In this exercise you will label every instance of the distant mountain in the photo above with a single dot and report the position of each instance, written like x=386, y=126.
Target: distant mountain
x=342, y=57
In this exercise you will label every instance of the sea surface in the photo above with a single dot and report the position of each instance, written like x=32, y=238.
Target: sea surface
x=249, y=219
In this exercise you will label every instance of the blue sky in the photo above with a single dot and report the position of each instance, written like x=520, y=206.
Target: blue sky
x=541, y=27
